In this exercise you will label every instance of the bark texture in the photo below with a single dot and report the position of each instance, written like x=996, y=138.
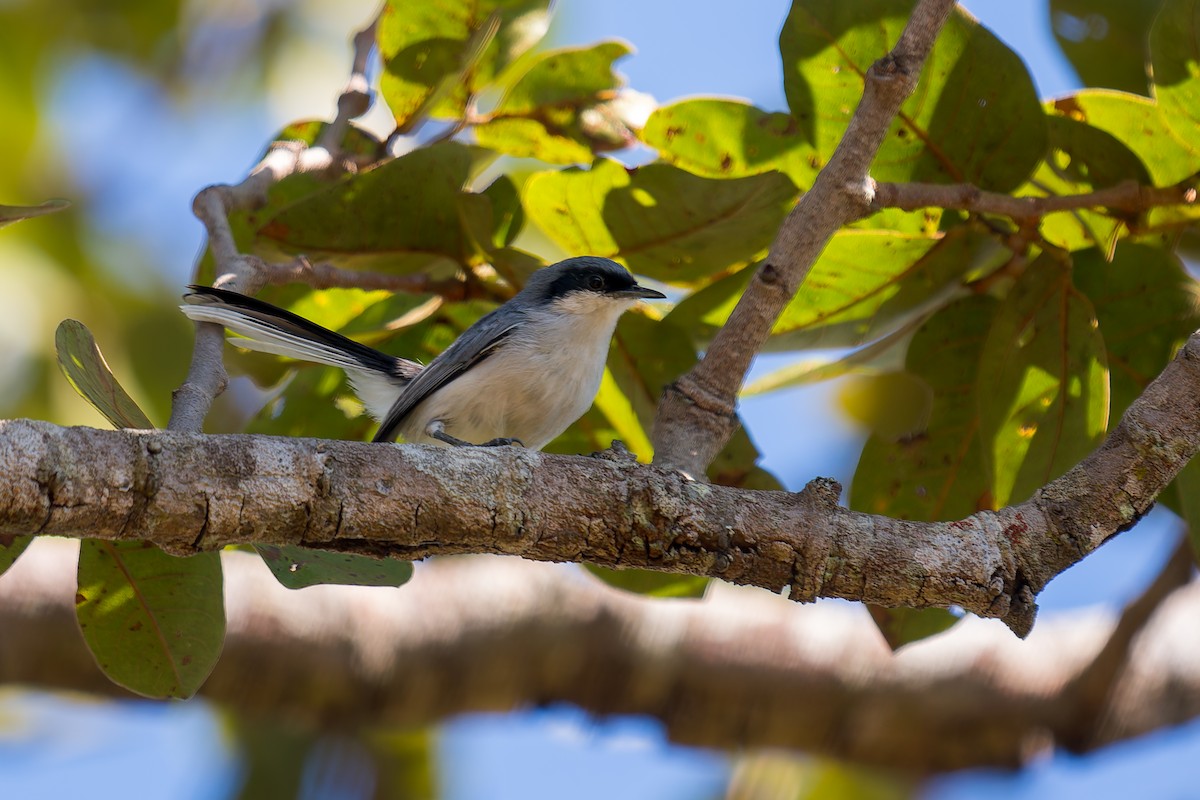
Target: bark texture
x=189, y=492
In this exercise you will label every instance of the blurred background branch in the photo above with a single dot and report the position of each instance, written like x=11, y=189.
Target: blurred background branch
x=740, y=669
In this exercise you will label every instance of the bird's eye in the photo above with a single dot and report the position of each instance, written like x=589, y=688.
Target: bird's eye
x=595, y=283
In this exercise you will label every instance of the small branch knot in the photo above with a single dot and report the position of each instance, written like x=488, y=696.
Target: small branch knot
x=889, y=68
x=691, y=392
x=617, y=452
x=826, y=491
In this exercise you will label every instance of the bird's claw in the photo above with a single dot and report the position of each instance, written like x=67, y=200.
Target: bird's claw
x=503, y=442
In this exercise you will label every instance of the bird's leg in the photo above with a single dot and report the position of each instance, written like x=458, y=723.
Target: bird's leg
x=437, y=430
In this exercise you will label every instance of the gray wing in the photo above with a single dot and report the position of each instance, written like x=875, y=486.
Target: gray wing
x=478, y=342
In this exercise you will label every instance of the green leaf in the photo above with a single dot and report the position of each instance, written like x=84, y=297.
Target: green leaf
x=901, y=626
x=11, y=547
x=974, y=117
x=1105, y=40
x=882, y=355
x=865, y=285
x=1145, y=303
x=1046, y=404
x=729, y=139
x=297, y=567
x=1141, y=126
x=1082, y=159
x=314, y=401
x=651, y=583
x=737, y=466
x=826, y=778
x=86, y=370
x=940, y=473
x=541, y=115
x=270, y=752
x=508, y=215
x=645, y=356
x=661, y=221
x=438, y=53
x=154, y=622
x=407, y=215
x=11, y=214
x=1175, y=66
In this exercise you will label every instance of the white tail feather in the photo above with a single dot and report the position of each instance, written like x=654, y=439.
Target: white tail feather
x=376, y=390
x=267, y=339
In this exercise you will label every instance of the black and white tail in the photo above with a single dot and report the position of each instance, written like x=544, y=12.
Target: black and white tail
x=378, y=378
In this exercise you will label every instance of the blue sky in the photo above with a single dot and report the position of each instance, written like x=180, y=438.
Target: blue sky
x=143, y=159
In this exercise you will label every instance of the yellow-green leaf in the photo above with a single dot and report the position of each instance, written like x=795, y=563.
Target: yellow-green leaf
x=659, y=220
x=438, y=53
x=1142, y=126
x=938, y=473
x=1046, y=400
x=974, y=116
x=84, y=366
x=11, y=214
x=866, y=284
x=542, y=115
x=1175, y=68
x=720, y=138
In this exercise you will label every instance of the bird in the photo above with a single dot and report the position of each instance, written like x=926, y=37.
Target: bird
x=520, y=375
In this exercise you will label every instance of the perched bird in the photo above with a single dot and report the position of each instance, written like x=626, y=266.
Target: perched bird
x=521, y=374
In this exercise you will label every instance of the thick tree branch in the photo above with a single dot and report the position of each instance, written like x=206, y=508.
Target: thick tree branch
x=1129, y=196
x=187, y=491
x=740, y=669
x=696, y=416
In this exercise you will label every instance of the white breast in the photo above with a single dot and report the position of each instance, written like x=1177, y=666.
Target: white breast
x=537, y=384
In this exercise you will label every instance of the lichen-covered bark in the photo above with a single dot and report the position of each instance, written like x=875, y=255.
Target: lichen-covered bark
x=189, y=492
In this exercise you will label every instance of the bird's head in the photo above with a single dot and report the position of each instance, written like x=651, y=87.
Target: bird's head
x=587, y=285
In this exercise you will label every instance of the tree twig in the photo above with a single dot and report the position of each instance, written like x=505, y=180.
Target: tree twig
x=1128, y=196
x=696, y=416
x=356, y=98
x=323, y=275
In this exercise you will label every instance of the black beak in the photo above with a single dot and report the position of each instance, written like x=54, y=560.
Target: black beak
x=640, y=293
